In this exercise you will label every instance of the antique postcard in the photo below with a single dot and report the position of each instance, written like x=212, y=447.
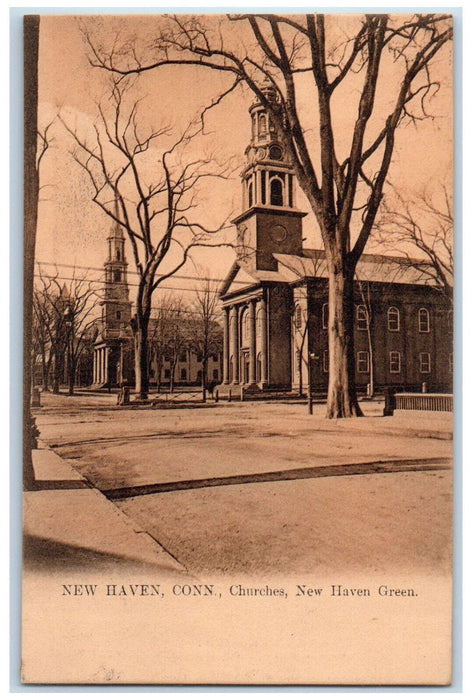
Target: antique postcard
x=238, y=349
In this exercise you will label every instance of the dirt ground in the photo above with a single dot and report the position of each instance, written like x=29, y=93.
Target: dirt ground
x=237, y=486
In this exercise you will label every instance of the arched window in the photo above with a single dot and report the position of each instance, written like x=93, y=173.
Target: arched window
x=118, y=254
x=117, y=276
x=298, y=316
x=361, y=316
x=393, y=318
x=262, y=124
x=118, y=315
x=324, y=316
x=250, y=196
x=423, y=321
x=259, y=323
x=245, y=327
x=276, y=192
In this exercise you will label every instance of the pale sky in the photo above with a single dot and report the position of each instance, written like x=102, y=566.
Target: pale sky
x=71, y=228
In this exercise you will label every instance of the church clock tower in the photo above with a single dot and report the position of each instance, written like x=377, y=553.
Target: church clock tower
x=270, y=222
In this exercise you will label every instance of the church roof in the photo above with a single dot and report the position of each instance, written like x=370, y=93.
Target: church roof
x=312, y=265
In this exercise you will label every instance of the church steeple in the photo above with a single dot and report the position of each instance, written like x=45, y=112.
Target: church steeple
x=116, y=305
x=116, y=264
x=270, y=222
x=268, y=178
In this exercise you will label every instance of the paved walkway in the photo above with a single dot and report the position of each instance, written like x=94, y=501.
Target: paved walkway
x=69, y=524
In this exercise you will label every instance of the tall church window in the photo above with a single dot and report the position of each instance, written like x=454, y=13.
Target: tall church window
x=423, y=321
x=245, y=327
x=116, y=275
x=118, y=315
x=393, y=319
x=324, y=316
x=395, y=362
x=425, y=362
x=250, y=194
x=118, y=254
x=259, y=323
x=262, y=124
x=276, y=192
x=298, y=316
x=361, y=317
x=363, y=362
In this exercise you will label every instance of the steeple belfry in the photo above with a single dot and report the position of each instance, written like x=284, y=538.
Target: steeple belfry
x=270, y=222
x=268, y=178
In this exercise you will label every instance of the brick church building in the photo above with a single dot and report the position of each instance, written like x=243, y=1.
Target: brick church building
x=275, y=297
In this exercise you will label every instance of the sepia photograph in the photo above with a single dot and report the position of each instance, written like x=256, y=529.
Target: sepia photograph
x=238, y=349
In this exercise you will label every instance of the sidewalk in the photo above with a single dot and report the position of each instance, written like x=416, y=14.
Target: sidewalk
x=69, y=524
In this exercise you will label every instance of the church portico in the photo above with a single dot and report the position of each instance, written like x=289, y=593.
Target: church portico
x=245, y=344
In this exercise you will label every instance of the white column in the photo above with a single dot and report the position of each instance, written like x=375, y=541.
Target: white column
x=264, y=359
x=235, y=344
x=226, y=347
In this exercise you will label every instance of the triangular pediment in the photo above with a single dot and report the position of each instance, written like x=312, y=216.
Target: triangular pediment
x=237, y=280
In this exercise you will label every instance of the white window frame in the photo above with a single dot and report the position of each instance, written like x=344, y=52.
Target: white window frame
x=395, y=360
x=324, y=316
x=393, y=319
x=425, y=313
x=361, y=317
x=363, y=356
x=425, y=362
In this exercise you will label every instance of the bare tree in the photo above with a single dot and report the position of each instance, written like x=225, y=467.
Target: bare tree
x=79, y=320
x=176, y=337
x=206, y=334
x=154, y=205
x=159, y=334
x=65, y=325
x=343, y=185
x=420, y=226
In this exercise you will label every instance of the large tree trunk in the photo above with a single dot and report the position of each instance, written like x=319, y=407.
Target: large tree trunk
x=141, y=356
x=57, y=373
x=31, y=193
x=342, y=399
